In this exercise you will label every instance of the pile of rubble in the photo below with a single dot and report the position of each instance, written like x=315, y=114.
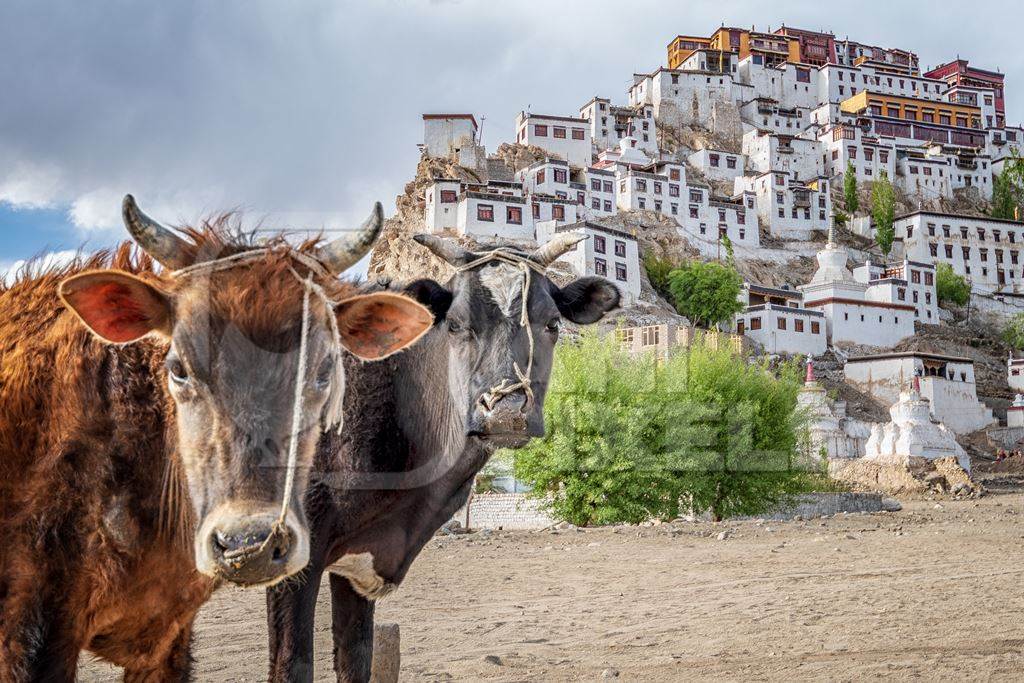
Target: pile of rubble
x=917, y=477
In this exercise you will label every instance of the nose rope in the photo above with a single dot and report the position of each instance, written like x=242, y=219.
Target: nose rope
x=491, y=397
x=335, y=406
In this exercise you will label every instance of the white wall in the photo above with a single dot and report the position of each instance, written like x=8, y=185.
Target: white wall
x=785, y=336
x=576, y=150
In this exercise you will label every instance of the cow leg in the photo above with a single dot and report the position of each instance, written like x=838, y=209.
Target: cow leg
x=175, y=668
x=352, y=626
x=291, y=609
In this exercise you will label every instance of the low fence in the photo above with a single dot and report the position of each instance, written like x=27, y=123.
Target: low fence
x=517, y=511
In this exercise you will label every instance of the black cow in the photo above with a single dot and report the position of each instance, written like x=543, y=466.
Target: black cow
x=404, y=464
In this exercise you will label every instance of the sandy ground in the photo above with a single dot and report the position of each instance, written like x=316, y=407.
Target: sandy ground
x=934, y=592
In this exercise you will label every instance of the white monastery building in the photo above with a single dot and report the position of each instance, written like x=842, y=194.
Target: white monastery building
x=777, y=320
x=946, y=381
x=604, y=251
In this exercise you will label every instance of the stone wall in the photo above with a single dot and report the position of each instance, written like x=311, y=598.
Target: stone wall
x=503, y=511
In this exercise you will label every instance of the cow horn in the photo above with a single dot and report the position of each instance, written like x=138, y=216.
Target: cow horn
x=559, y=244
x=340, y=254
x=164, y=246
x=447, y=249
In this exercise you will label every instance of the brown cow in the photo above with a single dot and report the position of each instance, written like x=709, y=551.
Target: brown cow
x=125, y=467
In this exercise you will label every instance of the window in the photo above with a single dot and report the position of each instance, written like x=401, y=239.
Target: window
x=577, y=134
x=798, y=325
x=780, y=180
x=540, y=131
x=915, y=277
x=779, y=198
x=696, y=196
x=657, y=205
x=641, y=185
x=608, y=205
x=730, y=162
x=620, y=272
x=561, y=175
x=641, y=203
x=713, y=160
x=558, y=212
x=536, y=210
x=607, y=186
x=673, y=174
x=852, y=152
x=693, y=211
x=673, y=190
x=657, y=187
x=540, y=177
x=675, y=209
x=901, y=294
x=815, y=327
x=599, y=244
x=741, y=217
x=931, y=229
x=755, y=323
x=595, y=204
x=595, y=184
x=600, y=267
x=782, y=323
x=883, y=156
x=447, y=196
x=558, y=132
x=928, y=279
x=485, y=212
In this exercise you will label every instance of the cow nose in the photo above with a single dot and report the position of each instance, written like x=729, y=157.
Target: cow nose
x=506, y=415
x=251, y=551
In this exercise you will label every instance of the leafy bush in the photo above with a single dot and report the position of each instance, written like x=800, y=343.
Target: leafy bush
x=633, y=438
x=1013, y=333
x=949, y=286
x=706, y=293
x=658, y=271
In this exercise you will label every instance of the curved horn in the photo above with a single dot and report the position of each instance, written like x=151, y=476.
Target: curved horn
x=164, y=246
x=345, y=251
x=446, y=249
x=559, y=244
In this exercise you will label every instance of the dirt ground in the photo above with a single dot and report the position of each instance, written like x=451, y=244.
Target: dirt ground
x=933, y=592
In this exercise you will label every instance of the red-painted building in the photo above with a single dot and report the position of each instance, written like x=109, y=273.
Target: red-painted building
x=959, y=72
x=815, y=47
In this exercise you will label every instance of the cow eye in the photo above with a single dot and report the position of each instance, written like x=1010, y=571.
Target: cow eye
x=323, y=375
x=176, y=371
x=553, y=325
x=455, y=327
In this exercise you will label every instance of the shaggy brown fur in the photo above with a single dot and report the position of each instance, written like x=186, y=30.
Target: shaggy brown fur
x=94, y=511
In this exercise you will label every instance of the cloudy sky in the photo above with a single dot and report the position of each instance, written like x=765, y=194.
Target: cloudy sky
x=304, y=113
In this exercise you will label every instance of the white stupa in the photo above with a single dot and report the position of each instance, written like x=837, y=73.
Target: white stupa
x=833, y=277
x=630, y=155
x=913, y=433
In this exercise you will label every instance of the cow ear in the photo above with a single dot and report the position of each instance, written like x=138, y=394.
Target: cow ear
x=432, y=295
x=586, y=300
x=116, y=306
x=374, y=326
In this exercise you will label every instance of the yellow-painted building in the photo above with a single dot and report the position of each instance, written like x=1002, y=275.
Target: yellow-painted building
x=682, y=47
x=913, y=109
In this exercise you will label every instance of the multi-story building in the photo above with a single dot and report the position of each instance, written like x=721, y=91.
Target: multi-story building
x=790, y=208
x=564, y=137
x=718, y=164
x=959, y=73
x=986, y=251
x=605, y=251
x=609, y=124
x=903, y=282
x=777, y=320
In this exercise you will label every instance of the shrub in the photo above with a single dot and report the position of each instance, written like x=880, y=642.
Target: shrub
x=706, y=293
x=658, y=271
x=627, y=439
x=951, y=287
x=1013, y=333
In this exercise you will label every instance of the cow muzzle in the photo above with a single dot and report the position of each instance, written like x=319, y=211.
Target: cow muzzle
x=504, y=422
x=251, y=549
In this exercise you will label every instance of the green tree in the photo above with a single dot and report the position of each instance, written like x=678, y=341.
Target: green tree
x=1013, y=333
x=632, y=438
x=850, y=199
x=1004, y=204
x=883, y=212
x=730, y=255
x=706, y=293
x=658, y=271
x=840, y=218
x=951, y=287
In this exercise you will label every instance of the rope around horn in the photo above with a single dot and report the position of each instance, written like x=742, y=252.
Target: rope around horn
x=491, y=397
x=333, y=415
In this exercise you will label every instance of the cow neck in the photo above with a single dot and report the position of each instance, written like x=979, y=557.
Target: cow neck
x=427, y=414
